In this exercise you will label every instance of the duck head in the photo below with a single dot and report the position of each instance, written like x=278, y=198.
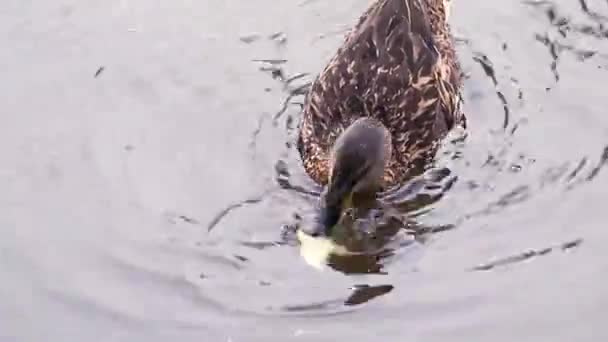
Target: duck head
x=357, y=164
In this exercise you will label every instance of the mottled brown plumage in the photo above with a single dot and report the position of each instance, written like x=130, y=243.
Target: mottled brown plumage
x=397, y=65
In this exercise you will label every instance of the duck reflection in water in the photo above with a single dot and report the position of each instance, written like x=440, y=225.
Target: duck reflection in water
x=372, y=228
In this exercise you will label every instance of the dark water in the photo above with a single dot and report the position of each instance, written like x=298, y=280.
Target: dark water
x=130, y=125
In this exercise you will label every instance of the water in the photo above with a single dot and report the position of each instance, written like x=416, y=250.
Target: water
x=130, y=126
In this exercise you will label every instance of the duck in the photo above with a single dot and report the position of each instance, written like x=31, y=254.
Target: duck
x=376, y=114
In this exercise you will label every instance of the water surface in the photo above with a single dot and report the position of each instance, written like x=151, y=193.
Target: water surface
x=130, y=125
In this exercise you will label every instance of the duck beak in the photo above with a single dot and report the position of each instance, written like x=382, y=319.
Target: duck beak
x=337, y=197
x=329, y=215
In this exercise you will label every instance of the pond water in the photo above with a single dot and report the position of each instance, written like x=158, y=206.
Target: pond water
x=131, y=127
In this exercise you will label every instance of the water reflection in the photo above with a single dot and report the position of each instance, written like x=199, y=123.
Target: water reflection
x=565, y=25
x=527, y=255
x=372, y=232
x=360, y=294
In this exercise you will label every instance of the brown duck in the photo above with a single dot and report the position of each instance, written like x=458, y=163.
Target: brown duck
x=377, y=112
